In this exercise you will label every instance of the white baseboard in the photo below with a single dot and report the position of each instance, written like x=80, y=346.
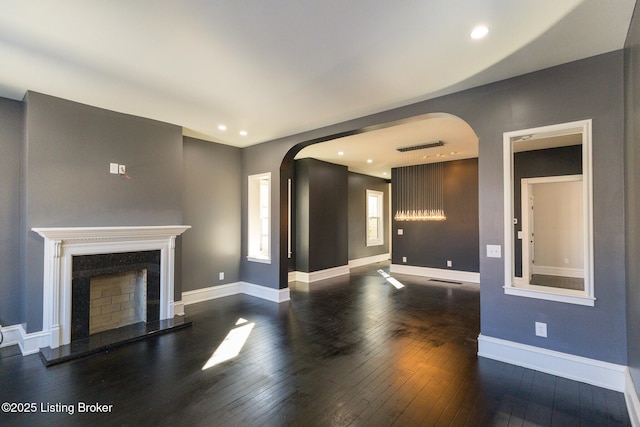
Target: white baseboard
x=315, y=276
x=28, y=343
x=11, y=335
x=300, y=276
x=590, y=371
x=178, y=308
x=633, y=403
x=436, y=273
x=214, y=292
x=269, y=294
x=359, y=262
x=559, y=271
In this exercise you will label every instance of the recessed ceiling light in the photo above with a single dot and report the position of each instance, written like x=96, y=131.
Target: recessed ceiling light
x=340, y=153
x=384, y=173
x=222, y=127
x=243, y=133
x=479, y=32
x=369, y=161
x=453, y=153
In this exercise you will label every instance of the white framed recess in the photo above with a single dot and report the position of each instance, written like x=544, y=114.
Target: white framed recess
x=62, y=243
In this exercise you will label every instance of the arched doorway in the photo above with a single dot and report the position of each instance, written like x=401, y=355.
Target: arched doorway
x=379, y=144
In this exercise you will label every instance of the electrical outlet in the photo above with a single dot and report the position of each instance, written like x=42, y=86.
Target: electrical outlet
x=566, y=260
x=404, y=259
x=221, y=275
x=449, y=263
x=400, y=231
x=494, y=251
x=541, y=329
x=122, y=169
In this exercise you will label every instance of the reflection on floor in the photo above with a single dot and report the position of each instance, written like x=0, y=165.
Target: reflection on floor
x=352, y=351
x=576, y=283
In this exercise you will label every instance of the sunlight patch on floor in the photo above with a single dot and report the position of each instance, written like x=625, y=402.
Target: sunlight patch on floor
x=232, y=344
x=395, y=282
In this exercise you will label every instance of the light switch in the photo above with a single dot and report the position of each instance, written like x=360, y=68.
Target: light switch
x=494, y=251
x=113, y=168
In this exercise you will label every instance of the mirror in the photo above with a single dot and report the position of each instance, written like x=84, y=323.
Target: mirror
x=548, y=244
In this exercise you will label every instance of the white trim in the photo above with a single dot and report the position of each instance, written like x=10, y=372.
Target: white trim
x=291, y=276
x=221, y=291
x=631, y=397
x=379, y=195
x=436, y=273
x=11, y=335
x=178, y=308
x=28, y=343
x=260, y=260
x=577, y=273
x=315, y=276
x=269, y=294
x=62, y=243
x=213, y=292
x=588, y=296
x=301, y=276
x=525, y=191
x=595, y=372
x=359, y=262
x=569, y=296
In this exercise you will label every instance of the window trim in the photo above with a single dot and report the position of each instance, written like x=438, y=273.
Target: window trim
x=380, y=240
x=254, y=220
x=511, y=287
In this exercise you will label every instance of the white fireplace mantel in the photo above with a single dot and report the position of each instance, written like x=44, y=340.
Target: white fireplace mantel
x=62, y=243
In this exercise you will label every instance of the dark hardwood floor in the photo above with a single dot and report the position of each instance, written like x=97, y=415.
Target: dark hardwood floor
x=352, y=351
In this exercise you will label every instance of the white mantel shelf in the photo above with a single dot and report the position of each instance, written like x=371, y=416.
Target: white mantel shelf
x=110, y=233
x=62, y=243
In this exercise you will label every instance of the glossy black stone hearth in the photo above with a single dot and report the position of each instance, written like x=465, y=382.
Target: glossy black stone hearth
x=108, y=340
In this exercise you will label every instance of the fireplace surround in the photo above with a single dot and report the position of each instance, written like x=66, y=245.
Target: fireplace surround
x=62, y=244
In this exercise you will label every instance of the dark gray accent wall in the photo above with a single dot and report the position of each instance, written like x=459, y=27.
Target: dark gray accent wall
x=537, y=163
x=590, y=88
x=10, y=148
x=632, y=195
x=211, y=206
x=66, y=182
x=433, y=243
x=358, y=186
x=322, y=237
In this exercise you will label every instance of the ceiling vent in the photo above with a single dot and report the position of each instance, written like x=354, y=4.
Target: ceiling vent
x=421, y=146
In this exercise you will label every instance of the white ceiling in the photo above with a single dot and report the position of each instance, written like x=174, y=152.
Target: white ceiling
x=381, y=146
x=279, y=67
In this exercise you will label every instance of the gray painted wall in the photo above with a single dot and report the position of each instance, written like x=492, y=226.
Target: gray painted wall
x=10, y=147
x=433, y=243
x=322, y=237
x=66, y=181
x=358, y=186
x=211, y=206
x=590, y=88
x=632, y=195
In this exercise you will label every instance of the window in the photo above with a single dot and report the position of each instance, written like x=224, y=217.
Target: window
x=259, y=221
x=375, y=208
x=549, y=193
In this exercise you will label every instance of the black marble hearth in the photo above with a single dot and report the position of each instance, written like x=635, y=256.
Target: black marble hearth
x=113, y=338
